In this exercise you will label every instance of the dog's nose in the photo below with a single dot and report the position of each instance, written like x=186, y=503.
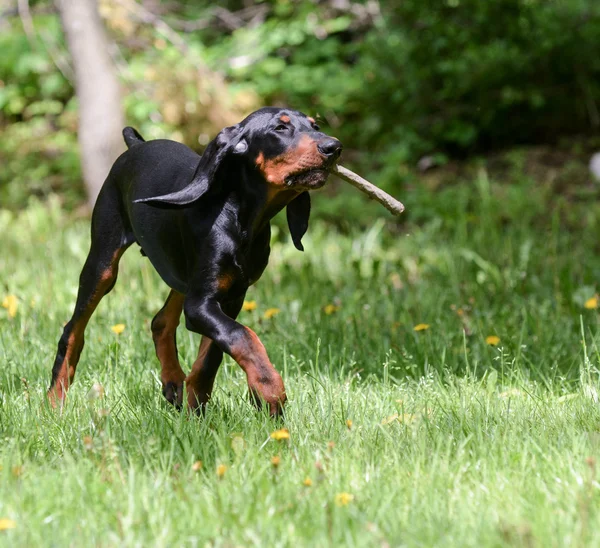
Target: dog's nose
x=329, y=146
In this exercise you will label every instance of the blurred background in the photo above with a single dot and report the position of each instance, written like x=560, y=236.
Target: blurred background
x=419, y=92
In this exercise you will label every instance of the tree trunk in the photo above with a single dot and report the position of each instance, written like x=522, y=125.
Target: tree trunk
x=97, y=87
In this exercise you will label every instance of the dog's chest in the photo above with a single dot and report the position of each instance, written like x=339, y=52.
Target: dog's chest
x=255, y=256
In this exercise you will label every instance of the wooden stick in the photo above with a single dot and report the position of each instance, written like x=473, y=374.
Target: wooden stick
x=387, y=201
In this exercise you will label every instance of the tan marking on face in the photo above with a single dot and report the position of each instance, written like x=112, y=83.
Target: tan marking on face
x=260, y=160
x=311, y=120
x=303, y=156
x=284, y=118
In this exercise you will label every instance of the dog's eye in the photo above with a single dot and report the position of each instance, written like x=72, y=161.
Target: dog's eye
x=316, y=127
x=281, y=127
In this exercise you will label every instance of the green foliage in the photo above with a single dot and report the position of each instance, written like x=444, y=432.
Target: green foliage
x=445, y=79
x=452, y=441
x=38, y=147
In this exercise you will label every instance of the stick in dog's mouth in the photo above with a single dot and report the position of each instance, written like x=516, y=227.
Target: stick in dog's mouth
x=387, y=201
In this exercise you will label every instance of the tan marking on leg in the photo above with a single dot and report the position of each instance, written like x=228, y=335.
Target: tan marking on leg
x=264, y=381
x=75, y=342
x=164, y=327
x=198, y=383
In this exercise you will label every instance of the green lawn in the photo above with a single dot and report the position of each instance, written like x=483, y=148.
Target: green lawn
x=396, y=436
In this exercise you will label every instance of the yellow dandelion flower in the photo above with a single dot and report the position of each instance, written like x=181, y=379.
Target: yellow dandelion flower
x=511, y=393
x=117, y=329
x=276, y=461
x=197, y=466
x=270, y=312
x=592, y=303
x=343, y=499
x=249, y=306
x=11, y=303
x=307, y=482
x=238, y=444
x=221, y=469
x=421, y=327
x=96, y=392
x=406, y=418
x=349, y=424
x=282, y=434
x=330, y=309
x=492, y=340
x=6, y=524
x=389, y=419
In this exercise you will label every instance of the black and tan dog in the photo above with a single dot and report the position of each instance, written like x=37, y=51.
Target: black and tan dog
x=204, y=223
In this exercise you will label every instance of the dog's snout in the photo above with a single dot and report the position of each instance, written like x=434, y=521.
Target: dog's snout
x=329, y=147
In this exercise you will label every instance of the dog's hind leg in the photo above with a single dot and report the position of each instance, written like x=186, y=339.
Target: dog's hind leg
x=164, y=329
x=111, y=236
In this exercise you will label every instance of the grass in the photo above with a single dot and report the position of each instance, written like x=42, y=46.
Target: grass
x=451, y=441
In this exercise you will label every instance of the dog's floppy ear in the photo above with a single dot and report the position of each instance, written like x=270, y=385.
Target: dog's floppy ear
x=229, y=140
x=298, y=213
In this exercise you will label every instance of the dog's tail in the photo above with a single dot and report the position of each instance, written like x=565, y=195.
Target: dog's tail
x=132, y=137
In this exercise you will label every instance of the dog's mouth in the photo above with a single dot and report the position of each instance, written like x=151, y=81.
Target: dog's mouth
x=309, y=179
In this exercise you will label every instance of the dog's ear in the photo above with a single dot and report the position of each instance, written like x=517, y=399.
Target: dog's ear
x=228, y=141
x=298, y=213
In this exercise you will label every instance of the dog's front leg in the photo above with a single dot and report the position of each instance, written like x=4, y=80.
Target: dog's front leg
x=204, y=315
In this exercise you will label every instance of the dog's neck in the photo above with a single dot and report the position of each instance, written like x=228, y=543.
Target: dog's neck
x=261, y=201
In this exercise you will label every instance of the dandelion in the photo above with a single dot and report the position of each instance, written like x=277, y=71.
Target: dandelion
x=510, y=393
x=249, y=306
x=11, y=303
x=307, y=482
x=389, y=419
x=592, y=303
x=96, y=392
x=270, y=312
x=406, y=418
x=221, y=469
x=6, y=524
x=421, y=327
x=197, y=466
x=282, y=434
x=343, y=499
x=492, y=340
x=117, y=329
x=330, y=309
x=276, y=461
x=349, y=424
x=238, y=444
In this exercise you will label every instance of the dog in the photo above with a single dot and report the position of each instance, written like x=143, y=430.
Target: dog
x=204, y=224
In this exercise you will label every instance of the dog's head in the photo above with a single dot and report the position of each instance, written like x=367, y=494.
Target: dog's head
x=284, y=147
x=288, y=148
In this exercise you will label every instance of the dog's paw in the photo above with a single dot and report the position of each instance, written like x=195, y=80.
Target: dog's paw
x=173, y=393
